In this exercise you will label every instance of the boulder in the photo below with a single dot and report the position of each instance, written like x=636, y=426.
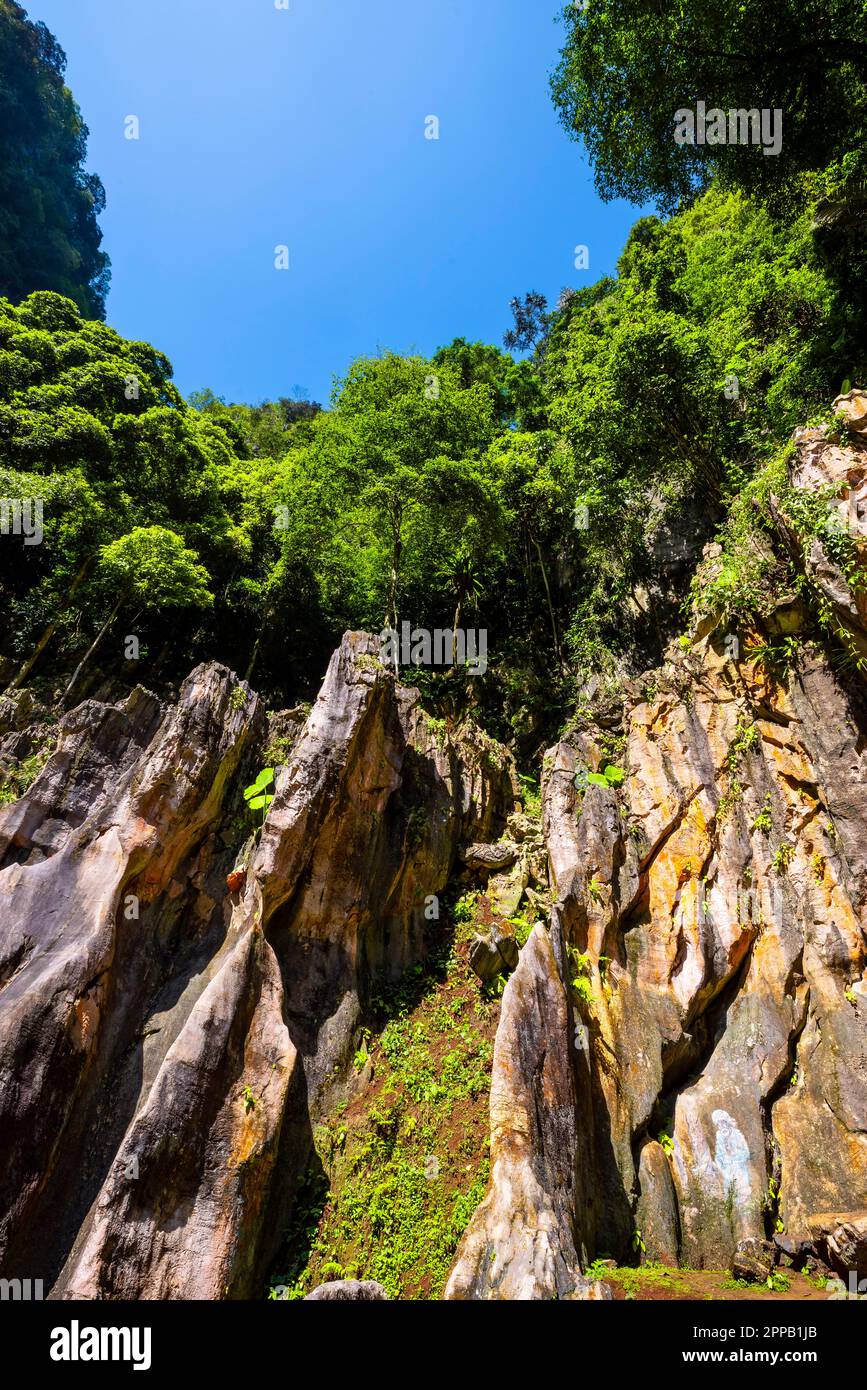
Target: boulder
x=853, y=406
x=494, y=953
x=795, y=1254
x=841, y=1239
x=754, y=1260
x=657, y=1214
x=348, y=1291
x=506, y=888
x=490, y=858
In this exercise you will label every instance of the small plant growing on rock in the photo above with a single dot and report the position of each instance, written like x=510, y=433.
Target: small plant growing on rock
x=763, y=820
x=666, y=1143
x=464, y=909
x=257, y=795
x=521, y=927
x=531, y=796
x=771, y=1196
x=610, y=776
x=783, y=857
x=581, y=982
x=249, y=1098
x=493, y=989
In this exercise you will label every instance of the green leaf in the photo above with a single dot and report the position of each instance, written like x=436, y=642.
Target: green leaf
x=597, y=779
x=265, y=778
x=258, y=803
x=614, y=775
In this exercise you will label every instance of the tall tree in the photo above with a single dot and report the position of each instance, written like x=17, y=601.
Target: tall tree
x=628, y=66
x=49, y=234
x=148, y=569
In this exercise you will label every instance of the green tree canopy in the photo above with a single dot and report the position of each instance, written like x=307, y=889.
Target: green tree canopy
x=629, y=65
x=49, y=235
x=152, y=568
x=149, y=569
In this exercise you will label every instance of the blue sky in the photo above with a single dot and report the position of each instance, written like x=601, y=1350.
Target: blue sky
x=306, y=128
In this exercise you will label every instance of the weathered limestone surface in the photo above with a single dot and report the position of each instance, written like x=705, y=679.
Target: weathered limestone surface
x=166, y=1046
x=87, y=925
x=524, y=1241
x=680, y=1068
x=730, y=1014
x=714, y=911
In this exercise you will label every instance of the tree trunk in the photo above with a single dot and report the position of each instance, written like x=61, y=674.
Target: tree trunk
x=92, y=648
x=396, y=549
x=557, y=650
x=50, y=630
x=457, y=622
x=391, y=617
x=248, y=674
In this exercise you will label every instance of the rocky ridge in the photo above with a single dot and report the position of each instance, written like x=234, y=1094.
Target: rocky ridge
x=680, y=1066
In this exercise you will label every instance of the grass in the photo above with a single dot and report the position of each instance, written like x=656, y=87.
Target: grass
x=398, y=1173
x=19, y=779
x=636, y=1279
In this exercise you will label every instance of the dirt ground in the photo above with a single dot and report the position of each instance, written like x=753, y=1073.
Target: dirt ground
x=681, y=1285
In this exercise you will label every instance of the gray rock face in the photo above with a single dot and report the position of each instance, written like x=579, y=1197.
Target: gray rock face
x=165, y=1044
x=727, y=891
x=348, y=1291
x=88, y=924
x=97, y=745
x=524, y=1241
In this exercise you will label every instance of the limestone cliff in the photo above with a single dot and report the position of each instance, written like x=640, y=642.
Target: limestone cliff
x=713, y=910
x=681, y=1059
x=166, y=1046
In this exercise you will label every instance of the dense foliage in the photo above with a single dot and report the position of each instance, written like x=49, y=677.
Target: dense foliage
x=627, y=67
x=49, y=237
x=559, y=501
